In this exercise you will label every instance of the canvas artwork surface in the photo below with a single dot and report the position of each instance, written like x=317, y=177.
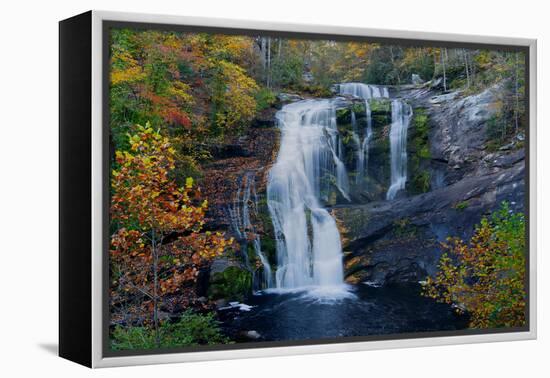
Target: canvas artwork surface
x=275, y=189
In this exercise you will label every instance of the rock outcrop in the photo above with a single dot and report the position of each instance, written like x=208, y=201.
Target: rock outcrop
x=399, y=241
x=454, y=178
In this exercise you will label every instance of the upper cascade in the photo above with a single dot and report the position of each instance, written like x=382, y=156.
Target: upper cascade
x=365, y=92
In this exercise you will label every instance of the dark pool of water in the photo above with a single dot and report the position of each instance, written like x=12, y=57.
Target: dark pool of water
x=369, y=311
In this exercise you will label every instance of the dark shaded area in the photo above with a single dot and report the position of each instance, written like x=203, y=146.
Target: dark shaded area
x=373, y=311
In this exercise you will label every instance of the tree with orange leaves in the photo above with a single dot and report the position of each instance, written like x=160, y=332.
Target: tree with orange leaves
x=486, y=277
x=158, y=244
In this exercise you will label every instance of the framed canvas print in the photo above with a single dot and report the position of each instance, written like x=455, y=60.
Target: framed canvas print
x=234, y=189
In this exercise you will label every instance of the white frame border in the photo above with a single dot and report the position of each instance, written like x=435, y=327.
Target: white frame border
x=97, y=187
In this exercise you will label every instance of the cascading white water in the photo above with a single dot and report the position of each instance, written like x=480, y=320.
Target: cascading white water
x=365, y=92
x=245, y=203
x=360, y=165
x=401, y=114
x=308, y=244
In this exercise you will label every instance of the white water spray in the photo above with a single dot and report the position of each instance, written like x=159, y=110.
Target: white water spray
x=401, y=114
x=309, y=251
x=244, y=205
x=365, y=92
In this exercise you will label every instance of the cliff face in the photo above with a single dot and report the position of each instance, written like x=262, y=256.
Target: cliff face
x=252, y=153
x=455, y=177
x=351, y=121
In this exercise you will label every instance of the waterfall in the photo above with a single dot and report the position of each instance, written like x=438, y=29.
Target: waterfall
x=360, y=165
x=401, y=115
x=365, y=92
x=308, y=245
x=244, y=205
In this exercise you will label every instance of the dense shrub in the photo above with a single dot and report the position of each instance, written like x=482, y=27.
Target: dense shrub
x=233, y=283
x=190, y=330
x=486, y=277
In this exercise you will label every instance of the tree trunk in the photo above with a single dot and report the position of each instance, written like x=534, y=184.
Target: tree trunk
x=435, y=63
x=466, y=68
x=262, y=52
x=394, y=65
x=268, y=79
x=444, y=74
x=155, y=288
x=516, y=107
x=472, y=69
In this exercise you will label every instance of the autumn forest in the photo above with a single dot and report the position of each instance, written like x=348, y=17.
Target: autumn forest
x=265, y=188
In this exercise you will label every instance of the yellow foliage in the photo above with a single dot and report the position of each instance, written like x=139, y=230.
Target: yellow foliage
x=125, y=68
x=181, y=91
x=485, y=277
x=238, y=98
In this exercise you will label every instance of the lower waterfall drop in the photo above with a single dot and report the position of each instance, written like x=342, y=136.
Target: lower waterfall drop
x=308, y=243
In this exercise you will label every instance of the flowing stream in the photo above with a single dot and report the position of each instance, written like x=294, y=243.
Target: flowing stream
x=309, y=251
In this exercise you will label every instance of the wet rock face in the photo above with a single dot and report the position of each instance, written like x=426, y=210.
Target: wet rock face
x=396, y=241
x=351, y=122
x=453, y=180
x=285, y=98
x=461, y=133
x=392, y=241
x=446, y=139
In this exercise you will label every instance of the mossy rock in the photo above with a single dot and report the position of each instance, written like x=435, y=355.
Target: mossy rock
x=403, y=228
x=344, y=128
x=418, y=147
x=379, y=164
x=269, y=248
x=267, y=237
x=421, y=122
x=359, y=109
x=380, y=144
x=343, y=116
x=380, y=106
x=380, y=112
x=234, y=283
x=420, y=182
x=381, y=120
x=350, y=150
x=461, y=206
